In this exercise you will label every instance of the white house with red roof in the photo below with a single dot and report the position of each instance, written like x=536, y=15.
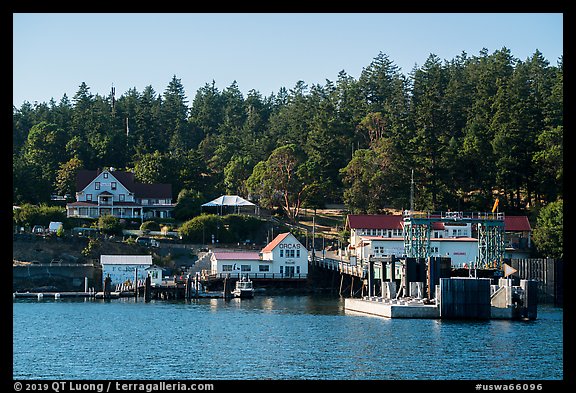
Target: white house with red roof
x=382, y=235
x=283, y=257
x=116, y=193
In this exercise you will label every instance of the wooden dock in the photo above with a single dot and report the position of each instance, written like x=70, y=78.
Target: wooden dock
x=55, y=295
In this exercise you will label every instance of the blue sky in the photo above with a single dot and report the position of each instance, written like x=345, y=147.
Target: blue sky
x=53, y=53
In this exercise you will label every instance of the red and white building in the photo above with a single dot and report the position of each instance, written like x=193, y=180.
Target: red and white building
x=283, y=257
x=116, y=193
x=382, y=235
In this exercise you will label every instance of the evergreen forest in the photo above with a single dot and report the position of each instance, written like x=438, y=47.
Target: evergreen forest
x=465, y=131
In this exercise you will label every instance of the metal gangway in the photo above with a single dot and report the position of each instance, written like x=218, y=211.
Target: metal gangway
x=341, y=266
x=417, y=229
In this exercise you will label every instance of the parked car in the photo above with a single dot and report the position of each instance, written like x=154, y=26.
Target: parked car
x=38, y=229
x=147, y=241
x=87, y=232
x=55, y=226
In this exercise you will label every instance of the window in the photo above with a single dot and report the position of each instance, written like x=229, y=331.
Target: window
x=122, y=197
x=297, y=253
x=297, y=269
x=263, y=268
x=89, y=197
x=282, y=253
x=246, y=268
x=226, y=268
x=97, y=185
x=105, y=175
x=113, y=185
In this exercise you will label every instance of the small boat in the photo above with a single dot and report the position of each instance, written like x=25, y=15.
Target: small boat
x=244, y=288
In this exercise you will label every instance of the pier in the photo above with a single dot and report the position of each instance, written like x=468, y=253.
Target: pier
x=431, y=288
x=456, y=298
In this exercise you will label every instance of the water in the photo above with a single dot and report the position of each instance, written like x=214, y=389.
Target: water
x=272, y=337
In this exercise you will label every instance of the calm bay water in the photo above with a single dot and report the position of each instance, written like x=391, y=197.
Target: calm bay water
x=272, y=337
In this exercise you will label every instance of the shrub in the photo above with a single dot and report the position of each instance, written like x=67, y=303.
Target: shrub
x=150, y=226
x=110, y=225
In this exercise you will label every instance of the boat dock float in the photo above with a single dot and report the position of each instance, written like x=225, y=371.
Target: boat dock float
x=55, y=295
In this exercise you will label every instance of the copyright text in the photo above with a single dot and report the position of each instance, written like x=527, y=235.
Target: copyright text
x=109, y=386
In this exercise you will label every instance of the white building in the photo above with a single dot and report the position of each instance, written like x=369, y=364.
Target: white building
x=283, y=257
x=112, y=192
x=237, y=262
x=155, y=273
x=462, y=250
x=122, y=268
x=382, y=235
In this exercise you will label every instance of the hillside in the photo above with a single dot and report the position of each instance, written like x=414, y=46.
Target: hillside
x=28, y=248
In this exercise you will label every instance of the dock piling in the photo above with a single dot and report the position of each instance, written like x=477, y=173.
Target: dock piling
x=136, y=284
x=187, y=288
x=147, y=289
x=227, y=292
x=107, y=288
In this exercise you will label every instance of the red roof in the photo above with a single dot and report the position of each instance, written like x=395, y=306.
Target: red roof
x=374, y=221
x=394, y=221
x=516, y=223
x=237, y=255
x=272, y=245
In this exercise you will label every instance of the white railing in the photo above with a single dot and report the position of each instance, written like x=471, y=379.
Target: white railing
x=341, y=266
x=258, y=275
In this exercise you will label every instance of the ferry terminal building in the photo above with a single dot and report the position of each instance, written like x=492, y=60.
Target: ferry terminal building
x=381, y=235
x=283, y=257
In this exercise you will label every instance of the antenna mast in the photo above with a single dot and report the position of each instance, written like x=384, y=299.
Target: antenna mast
x=113, y=94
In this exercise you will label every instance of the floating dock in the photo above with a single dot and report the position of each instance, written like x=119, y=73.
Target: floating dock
x=392, y=308
x=55, y=295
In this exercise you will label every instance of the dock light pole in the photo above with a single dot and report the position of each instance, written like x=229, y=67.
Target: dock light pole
x=313, y=235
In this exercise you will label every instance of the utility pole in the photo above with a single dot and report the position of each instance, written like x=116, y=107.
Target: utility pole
x=313, y=235
x=412, y=192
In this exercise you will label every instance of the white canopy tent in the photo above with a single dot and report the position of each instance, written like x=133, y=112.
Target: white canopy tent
x=234, y=201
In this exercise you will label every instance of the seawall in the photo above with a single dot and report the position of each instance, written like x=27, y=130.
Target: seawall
x=59, y=277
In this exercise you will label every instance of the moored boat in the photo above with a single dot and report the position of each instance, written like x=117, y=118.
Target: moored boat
x=244, y=288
